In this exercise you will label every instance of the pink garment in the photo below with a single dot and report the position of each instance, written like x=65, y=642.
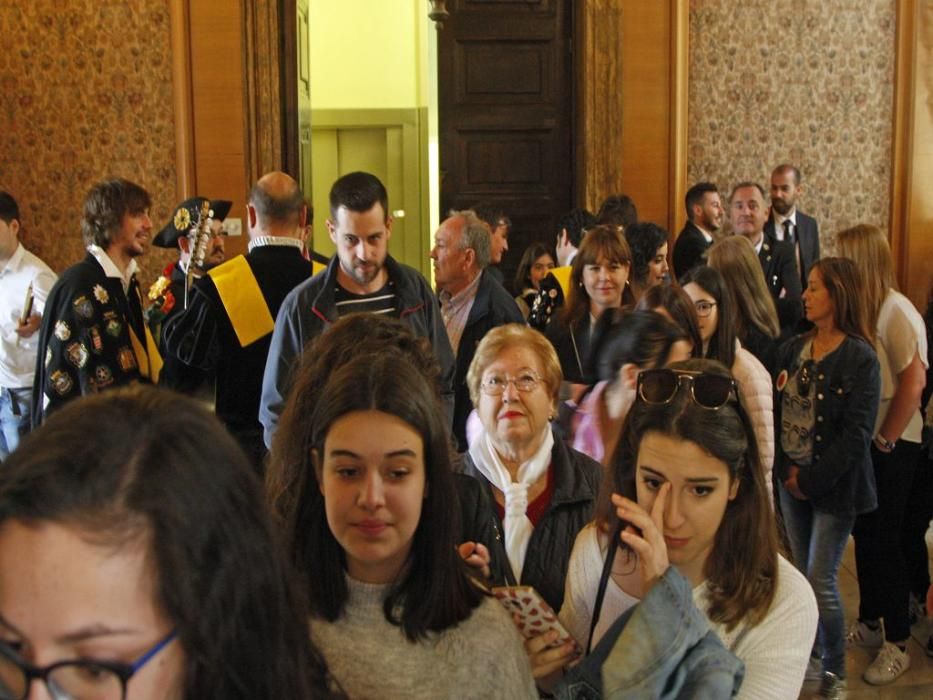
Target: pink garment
x=587, y=437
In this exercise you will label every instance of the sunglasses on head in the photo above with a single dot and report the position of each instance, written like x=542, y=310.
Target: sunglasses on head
x=660, y=386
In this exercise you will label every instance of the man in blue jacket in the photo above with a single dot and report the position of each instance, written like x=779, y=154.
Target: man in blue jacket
x=361, y=277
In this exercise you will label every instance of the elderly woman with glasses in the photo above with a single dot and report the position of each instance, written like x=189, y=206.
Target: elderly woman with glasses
x=544, y=491
x=828, y=387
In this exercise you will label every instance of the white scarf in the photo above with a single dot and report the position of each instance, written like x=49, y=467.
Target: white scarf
x=518, y=527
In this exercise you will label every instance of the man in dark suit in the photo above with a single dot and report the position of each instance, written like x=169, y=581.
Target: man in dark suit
x=787, y=223
x=749, y=213
x=704, y=218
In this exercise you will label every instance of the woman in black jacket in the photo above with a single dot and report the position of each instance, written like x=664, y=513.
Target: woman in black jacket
x=828, y=388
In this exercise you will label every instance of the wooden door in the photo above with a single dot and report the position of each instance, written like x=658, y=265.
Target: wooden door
x=505, y=110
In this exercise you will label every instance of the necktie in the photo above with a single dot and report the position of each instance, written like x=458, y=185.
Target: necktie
x=790, y=238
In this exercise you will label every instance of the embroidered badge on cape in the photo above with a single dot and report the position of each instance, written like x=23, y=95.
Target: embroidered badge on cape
x=76, y=354
x=96, y=343
x=62, y=331
x=61, y=382
x=103, y=376
x=101, y=294
x=83, y=307
x=113, y=328
x=127, y=359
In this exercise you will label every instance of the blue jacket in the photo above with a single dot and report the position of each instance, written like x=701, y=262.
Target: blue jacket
x=661, y=648
x=493, y=306
x=840, y=479
x=310, y=308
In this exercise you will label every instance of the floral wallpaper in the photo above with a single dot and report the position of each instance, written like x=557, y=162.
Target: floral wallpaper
x=85, y=94
x=808, y=82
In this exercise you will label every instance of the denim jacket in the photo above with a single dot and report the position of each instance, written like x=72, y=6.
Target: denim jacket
x=840, y=479
x=661, y=648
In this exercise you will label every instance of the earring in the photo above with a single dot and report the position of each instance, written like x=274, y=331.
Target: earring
x=550, y=417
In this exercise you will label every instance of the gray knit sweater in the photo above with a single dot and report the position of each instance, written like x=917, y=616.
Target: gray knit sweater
x=482, y=657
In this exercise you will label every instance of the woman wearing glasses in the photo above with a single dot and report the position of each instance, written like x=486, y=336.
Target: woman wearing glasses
x=544, y=491
x=716, y=313
x=137, y=562
x=827, y=397
x=688, y=503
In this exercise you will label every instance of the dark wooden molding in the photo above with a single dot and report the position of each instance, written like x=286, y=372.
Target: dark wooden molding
x=182, y=100
x=263, y=71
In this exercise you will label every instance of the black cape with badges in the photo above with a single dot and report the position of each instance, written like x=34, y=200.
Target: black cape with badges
x=203, y=336
x=175, y=373
x=84, y=341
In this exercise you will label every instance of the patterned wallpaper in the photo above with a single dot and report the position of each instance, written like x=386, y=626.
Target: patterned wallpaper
x=85, y=93
x=804, y=81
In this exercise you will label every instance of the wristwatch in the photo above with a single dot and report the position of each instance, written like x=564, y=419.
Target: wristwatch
x=885, y=443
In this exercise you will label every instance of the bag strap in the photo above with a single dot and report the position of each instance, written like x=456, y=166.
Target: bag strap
x=603, y=582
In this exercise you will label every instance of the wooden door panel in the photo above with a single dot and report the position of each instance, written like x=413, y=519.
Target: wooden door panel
x=505, y=96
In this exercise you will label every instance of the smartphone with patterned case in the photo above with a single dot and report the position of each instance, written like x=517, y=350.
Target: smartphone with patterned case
x=535, y=616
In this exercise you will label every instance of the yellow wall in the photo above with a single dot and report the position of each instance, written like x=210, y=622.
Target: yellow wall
x=366, y=54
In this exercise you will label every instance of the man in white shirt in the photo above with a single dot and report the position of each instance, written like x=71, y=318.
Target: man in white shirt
x=22, y=275
x=93, y=336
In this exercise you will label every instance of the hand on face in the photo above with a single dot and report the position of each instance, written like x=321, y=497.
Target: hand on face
x=649, y=543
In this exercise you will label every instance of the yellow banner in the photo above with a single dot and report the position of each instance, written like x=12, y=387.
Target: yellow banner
x=242, y=298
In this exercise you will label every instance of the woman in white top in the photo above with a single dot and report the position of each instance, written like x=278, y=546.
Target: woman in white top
x=687, y=493
x=901, y=345
x=716, y=313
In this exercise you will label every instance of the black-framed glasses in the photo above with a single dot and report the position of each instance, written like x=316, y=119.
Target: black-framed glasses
x=75, y=679
x=805, y=377
x=495, y=384
x=660, y=386
x=704, y=308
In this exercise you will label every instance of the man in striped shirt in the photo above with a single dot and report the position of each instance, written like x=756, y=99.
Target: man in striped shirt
x=362, y=276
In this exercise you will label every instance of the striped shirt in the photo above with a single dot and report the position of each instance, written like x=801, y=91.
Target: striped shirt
x=456, y=309
x=383, y=301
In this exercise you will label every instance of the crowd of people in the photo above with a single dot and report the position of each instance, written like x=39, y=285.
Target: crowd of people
x=279, y=475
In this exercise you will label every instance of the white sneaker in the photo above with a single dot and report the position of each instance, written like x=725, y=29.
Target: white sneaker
x=861, y=635
x=889, y=665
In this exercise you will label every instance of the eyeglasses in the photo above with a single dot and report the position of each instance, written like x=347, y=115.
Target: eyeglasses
x=494, y=385
x=704, y=308
x=78, y=679
x=805, y=377
x=660, y=386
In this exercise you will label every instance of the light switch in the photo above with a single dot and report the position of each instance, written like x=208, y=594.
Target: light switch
x=233, y=227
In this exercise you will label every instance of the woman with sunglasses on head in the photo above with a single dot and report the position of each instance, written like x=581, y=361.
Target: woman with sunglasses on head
x=536, y=263
x=598, y=281
x=544, y=491
x=393, y=609
x=716, y=312
x=825, y=405
x=138, y=563
x=625, y=343
x=881, y=554
x=688, y=502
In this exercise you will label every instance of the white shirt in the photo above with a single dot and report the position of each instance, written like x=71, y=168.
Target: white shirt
x=779, y=223
x=110, y=267
x=901, y=334
x=18, y=355
x=775, y=651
